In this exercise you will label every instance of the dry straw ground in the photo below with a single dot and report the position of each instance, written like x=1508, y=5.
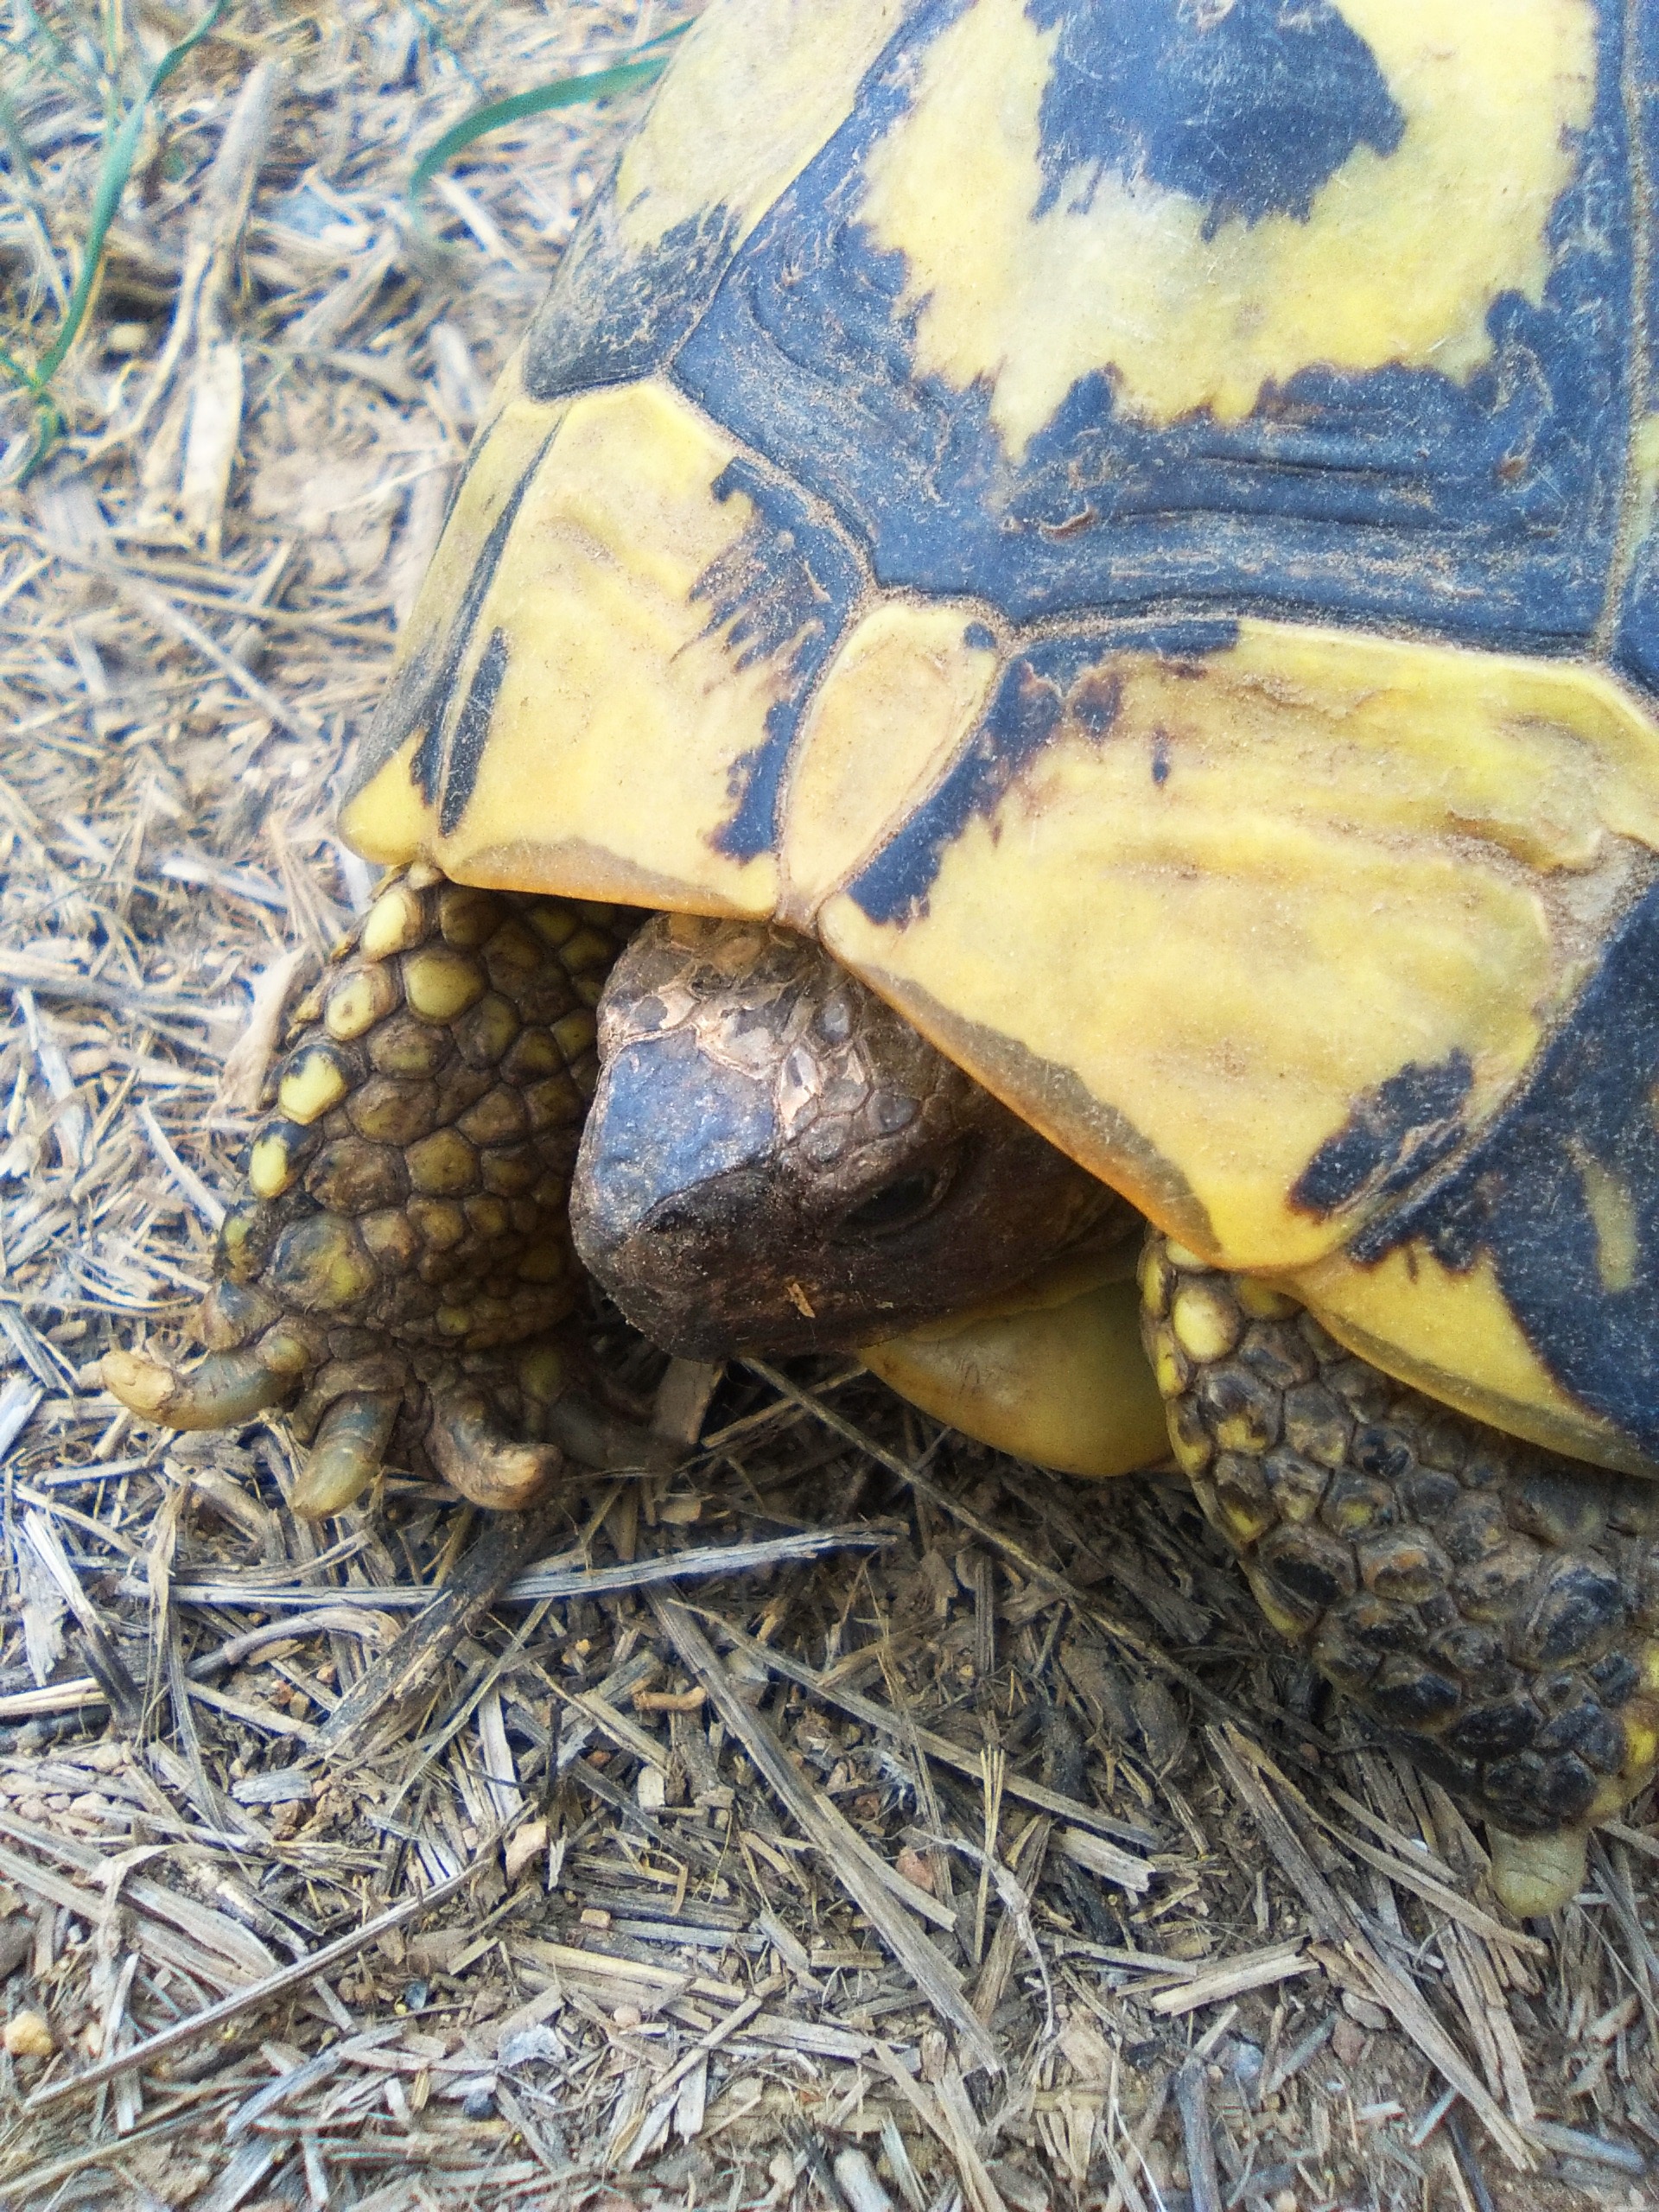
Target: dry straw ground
x=854, y=1818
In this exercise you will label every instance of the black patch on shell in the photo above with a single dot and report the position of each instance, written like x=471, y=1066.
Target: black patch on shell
x=1058, y=684
x=614, y=313
x=782, y=592
x=472, y=731
x=1393, y=1134
x=1518, y=1196
x=1484, y=509
x=1248, y=108
x=418, y=696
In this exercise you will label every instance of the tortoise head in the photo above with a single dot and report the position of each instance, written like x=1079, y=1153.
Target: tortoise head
x=776, y=1160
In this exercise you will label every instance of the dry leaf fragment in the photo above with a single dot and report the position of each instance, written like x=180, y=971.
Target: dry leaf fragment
x=525, y=1845
x=211, y=439
x=242, y=1079
x=915, y=1868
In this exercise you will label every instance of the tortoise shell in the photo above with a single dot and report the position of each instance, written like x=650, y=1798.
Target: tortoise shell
x=1134, y=524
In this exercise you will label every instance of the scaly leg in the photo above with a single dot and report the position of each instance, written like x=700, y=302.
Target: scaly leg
x=1491, y=1606
x=405, y=1248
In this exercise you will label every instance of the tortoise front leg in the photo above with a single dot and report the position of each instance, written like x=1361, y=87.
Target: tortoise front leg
x=404, y=1247
x=1492, y=1605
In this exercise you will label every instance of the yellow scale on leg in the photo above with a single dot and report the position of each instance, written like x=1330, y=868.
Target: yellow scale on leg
x=405, y=1245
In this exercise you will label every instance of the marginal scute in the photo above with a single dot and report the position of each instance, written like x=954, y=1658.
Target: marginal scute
x=610, y=670
x=791, y=68
x=1454, y=1332
x=1400, y=808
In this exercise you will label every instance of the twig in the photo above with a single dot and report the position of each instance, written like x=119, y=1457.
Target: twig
x=54, y=981
x=566, y=1578
x=843, y=1849
x=1197, y=2139
x=295, y=1976
x=875, y=1715
x=1232, y=1977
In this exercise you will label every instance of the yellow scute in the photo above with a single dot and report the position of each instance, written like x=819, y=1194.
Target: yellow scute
x=515, y=431
x=902, y=692
x=385, y=818
x=1192, y=947
x=606, y=771
x=759, y=86
x=1399, y=259
x=1410, y=1315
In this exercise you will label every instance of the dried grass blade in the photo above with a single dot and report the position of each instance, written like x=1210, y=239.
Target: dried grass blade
x=843, y=1849
x=1239, y=1761
x=303, y=1970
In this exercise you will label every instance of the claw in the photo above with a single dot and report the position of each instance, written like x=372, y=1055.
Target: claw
x=474, y=1456
x=226, y=1387
x=350, y=1444
x=1536, y=1874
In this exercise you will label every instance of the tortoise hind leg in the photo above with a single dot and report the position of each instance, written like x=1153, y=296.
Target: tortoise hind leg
x=405, y=1248
x=1493, y=1607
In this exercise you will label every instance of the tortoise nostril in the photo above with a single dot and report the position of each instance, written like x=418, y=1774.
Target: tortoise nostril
x=899, y=1204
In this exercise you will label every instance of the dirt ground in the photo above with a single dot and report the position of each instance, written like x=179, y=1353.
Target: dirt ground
x=854, y=1818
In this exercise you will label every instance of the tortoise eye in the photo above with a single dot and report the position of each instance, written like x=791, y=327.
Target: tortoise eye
x=897, y=1205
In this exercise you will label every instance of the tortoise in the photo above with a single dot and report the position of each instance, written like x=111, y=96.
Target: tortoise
x=1076, y=580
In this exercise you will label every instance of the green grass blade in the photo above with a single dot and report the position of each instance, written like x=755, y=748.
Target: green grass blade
x=564, y=91
x=119, y=157
x=111, y=183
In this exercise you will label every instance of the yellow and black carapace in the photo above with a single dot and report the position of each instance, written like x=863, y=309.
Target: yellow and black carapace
x=1133, y=526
